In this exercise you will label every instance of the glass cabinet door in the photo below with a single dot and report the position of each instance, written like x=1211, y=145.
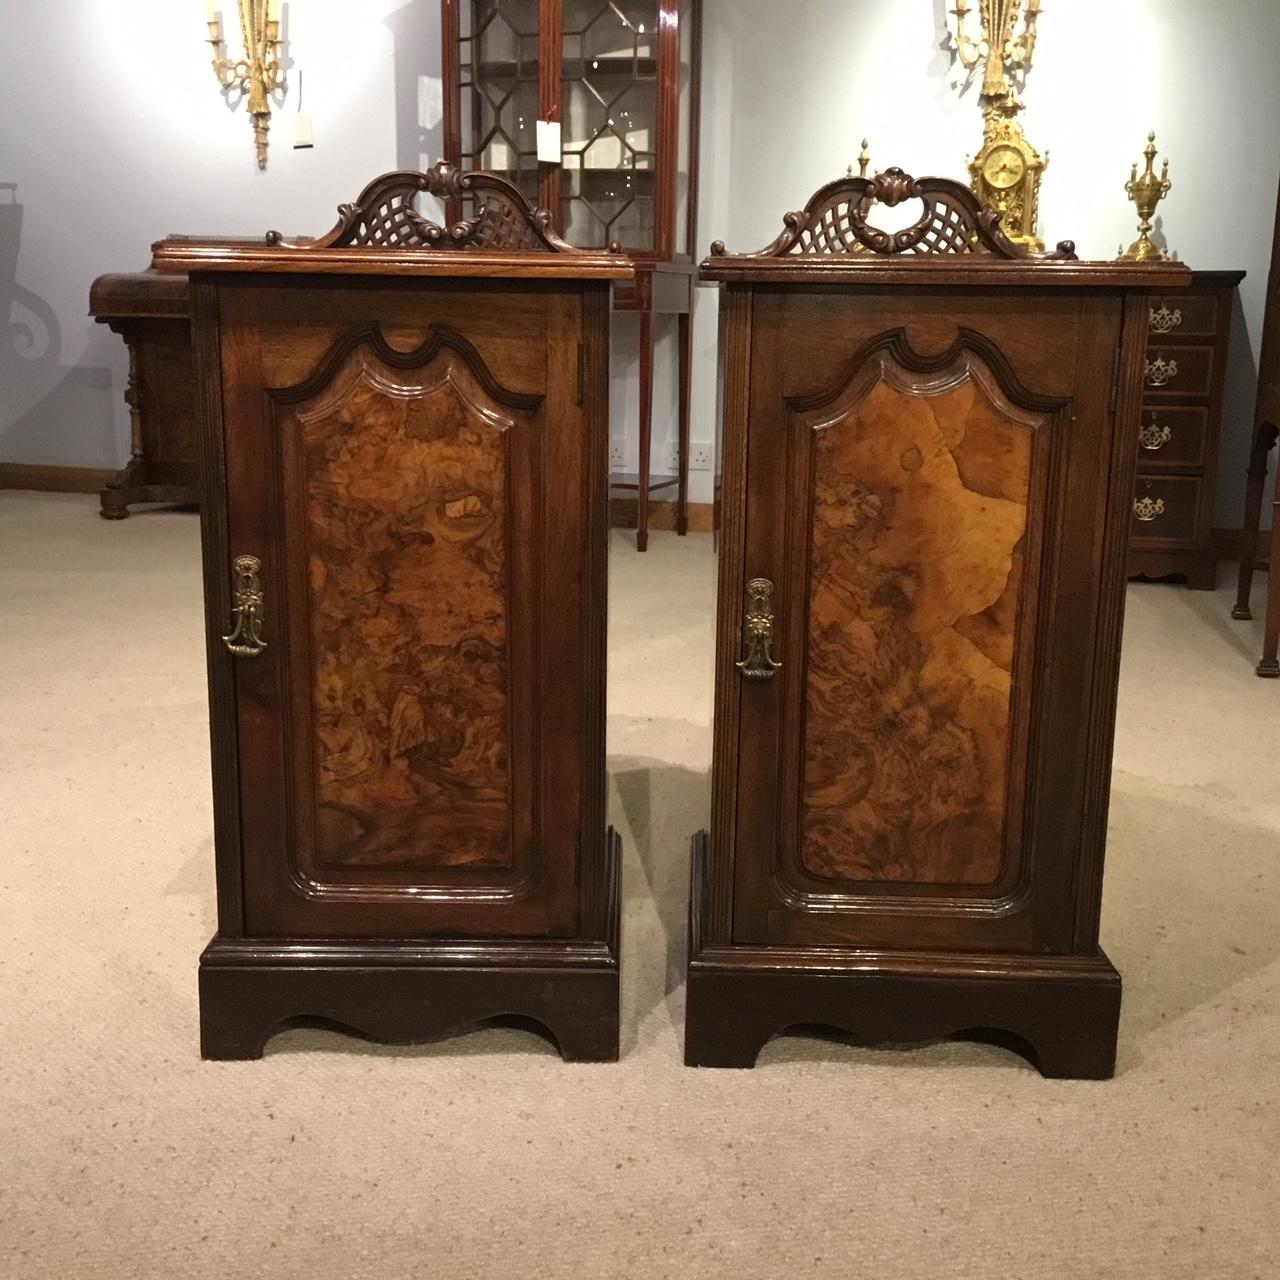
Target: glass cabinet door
x=609, y=118
x=498, y=57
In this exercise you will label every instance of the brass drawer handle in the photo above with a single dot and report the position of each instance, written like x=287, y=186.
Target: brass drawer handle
x=1164, y=320
x=1161, y=371
x=1155, y=437
x=1147, y=509
x=757, y=631
x=245, y=638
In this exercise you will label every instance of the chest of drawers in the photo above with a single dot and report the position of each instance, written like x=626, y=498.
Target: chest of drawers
x=1170, y=528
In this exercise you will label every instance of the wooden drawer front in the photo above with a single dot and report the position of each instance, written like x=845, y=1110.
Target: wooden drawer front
x=1165, y=509
x=1177, y=371
x=1171, y=436
x=1183, y=315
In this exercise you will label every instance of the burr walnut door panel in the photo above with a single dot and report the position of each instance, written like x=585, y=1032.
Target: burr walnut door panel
x=409, y=759
x=915, y=510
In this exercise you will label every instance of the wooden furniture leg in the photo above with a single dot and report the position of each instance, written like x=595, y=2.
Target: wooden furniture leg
x=114, y=499
x=1269, y=666
x=646, y=430
x=685, y=339
x=1263, y=440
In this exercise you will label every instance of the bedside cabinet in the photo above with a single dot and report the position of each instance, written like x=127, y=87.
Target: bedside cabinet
x=928, y=463
x=405, y=477
x=1170, y=529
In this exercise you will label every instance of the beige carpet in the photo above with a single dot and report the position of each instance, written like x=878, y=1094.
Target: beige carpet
x=124, y=1155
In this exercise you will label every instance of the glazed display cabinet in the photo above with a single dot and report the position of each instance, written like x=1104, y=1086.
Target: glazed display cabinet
x=612, y=86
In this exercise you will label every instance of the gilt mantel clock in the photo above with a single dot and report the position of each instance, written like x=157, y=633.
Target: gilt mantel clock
x=1005, y=174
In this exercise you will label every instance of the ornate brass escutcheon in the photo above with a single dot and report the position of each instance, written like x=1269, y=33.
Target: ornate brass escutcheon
x=1153, y=436
x=245, y=638
x=1147, y=509
x=757, y=631
x=1160, y=372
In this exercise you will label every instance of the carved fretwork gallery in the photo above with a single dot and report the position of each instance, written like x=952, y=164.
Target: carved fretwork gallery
x=386, y=216
x=928, y=446
x=405, y=459
x=952, y=221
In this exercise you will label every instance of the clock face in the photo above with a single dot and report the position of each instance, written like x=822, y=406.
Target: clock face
x=1003, y=168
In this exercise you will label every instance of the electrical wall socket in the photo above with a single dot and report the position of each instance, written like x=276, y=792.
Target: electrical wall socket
x=699, y=456
x=616, y=454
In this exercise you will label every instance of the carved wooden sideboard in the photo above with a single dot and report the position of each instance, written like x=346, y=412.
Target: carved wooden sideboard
x=1189, y=332
x=928, y=471
x=405, y=469
x=150, y=311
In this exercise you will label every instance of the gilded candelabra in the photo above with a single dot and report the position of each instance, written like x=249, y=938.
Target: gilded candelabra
x=1005, y=174
x=1002, y=52
x=1146, y=192
x=261, y=71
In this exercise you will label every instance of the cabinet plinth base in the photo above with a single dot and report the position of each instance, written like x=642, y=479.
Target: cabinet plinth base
x=1198, y=568
x=1060, y=1012
x=403, y=992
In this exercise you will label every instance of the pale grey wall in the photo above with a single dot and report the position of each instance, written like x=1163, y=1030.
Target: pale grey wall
x=795, y=87
x=114, y=133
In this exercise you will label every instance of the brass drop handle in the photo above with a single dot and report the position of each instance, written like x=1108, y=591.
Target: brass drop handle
x=1160, y=372
x=1164, y=320
x=245, y=637
x=1148, y=509
x=1154, y=436
x=757, y=632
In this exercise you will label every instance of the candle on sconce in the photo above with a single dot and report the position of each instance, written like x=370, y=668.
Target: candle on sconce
x=210, y=11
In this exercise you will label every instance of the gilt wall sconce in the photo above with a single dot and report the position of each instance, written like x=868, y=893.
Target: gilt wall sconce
x=260, y=72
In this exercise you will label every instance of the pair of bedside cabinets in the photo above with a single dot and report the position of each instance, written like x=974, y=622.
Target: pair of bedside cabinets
x=927, y=478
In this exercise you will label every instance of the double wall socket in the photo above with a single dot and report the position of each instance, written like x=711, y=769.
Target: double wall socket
x=699, y=456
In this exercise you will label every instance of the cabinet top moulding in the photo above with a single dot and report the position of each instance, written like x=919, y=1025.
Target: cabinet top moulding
x=954, y=242
x=382, y=233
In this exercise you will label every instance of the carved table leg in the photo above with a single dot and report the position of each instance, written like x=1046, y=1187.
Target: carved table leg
x=115, y=498
x=1263, y=440
x=685, y=339
x=646, y=430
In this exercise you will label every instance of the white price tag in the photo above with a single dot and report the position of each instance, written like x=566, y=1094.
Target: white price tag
x=549, y=141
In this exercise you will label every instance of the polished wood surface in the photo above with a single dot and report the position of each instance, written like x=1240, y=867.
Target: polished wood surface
x=150, y=312
x=1172, y=533
x=919, y=513
x=1266, y=432
x=409, y=772
x=410, y=687
x=928, y=452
